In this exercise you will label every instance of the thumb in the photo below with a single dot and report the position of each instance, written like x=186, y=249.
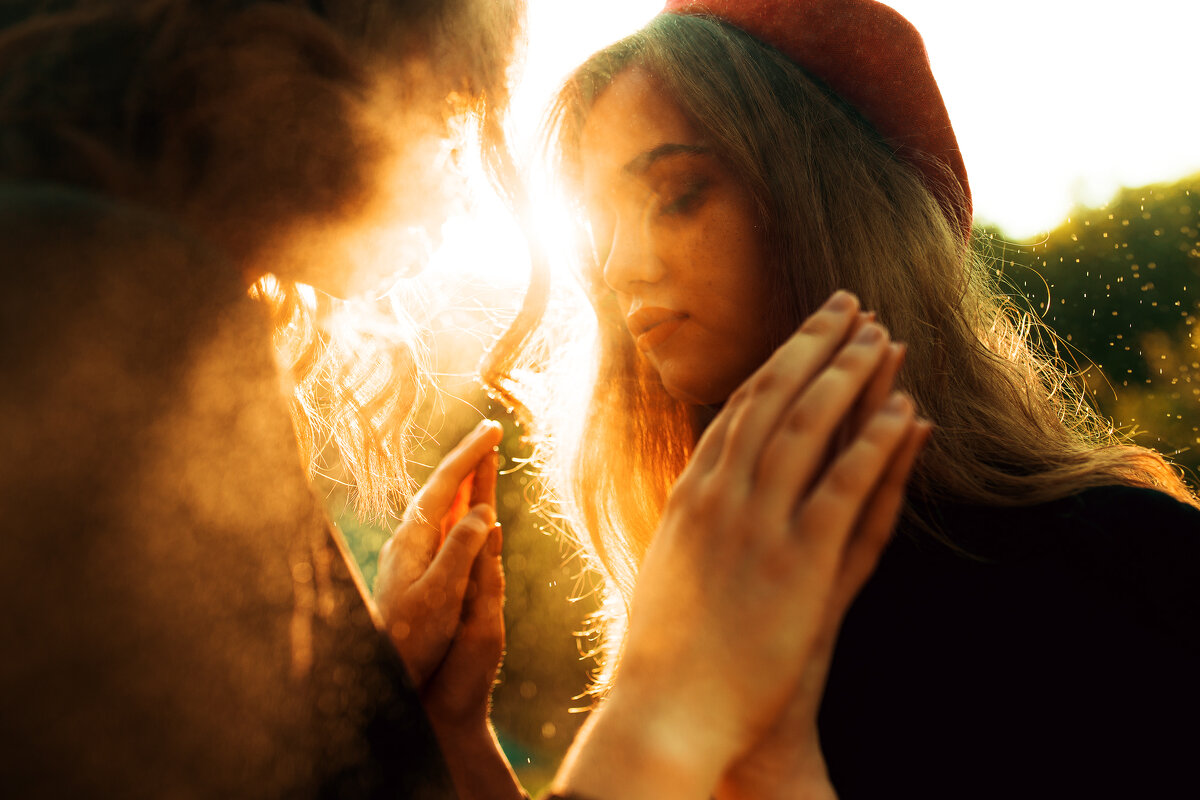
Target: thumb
x=451, y=567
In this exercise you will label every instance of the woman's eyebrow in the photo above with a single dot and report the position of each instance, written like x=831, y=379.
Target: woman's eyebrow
x=644, y=161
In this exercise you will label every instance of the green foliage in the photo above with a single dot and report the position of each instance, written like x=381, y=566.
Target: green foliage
x=1121, y=286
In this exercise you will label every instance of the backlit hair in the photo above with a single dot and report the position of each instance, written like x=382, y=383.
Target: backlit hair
x=1013, y=426
x=251, y=121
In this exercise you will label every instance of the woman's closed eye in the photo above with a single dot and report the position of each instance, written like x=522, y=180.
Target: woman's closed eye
x=688, y=198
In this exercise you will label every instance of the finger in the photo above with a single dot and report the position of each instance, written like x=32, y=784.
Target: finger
x=826, y=518
x=483, y=489
x=416, y=540
x=458, y=508
x=404, y=557
x=797, y=451
x=872, y=398
x=861, y=319
x=757, y=405
x=877, y=391
x=712, y=441
x=878, y=519
x=433, y=501
x=450, y=570
x=464, y=677
x=711, y=444
x=483, y=616
x=462, y=684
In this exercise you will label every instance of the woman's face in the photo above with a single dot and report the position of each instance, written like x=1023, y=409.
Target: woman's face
x=679, y=240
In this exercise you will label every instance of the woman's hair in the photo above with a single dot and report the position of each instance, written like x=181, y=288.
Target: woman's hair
x=837, y=210
x=257, y=123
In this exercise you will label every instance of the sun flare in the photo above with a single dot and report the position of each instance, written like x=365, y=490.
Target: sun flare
x=484, y=240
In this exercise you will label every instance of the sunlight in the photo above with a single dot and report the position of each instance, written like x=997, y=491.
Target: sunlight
x=1022, y=186
x=484, y=241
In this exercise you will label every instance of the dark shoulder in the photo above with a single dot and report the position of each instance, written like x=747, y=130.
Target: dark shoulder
x=1044, y=640
x=1102, y=508
x=1097, y=516
x=1131, y=503
x=1130, y=553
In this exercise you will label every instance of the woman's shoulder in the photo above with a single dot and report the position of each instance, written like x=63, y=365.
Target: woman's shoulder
x=1025, y=644
x=1094, y=515
x=1106, y=507
x=1129, y=553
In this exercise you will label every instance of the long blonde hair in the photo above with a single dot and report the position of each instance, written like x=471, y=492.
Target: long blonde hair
x=838, y=210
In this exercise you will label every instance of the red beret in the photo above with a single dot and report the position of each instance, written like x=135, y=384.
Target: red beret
x=874, y=59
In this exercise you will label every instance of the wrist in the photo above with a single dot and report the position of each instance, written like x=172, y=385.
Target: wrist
x=631, y=752
x=477, y=764
x=790, y=783
x=466, y=739
x=786, y=767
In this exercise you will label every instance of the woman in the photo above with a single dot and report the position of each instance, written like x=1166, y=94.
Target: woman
x=1031, y=631
x=184, y=619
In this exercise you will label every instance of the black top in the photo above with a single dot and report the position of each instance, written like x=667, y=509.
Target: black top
x=180, y=617
x=1059, y=659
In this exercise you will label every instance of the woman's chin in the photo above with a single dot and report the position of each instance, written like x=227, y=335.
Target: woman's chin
x=697, y=392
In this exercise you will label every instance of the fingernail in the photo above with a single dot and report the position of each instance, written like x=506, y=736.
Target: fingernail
x=899, y=351
x=841, y=300
x=496, y=540
x=866, y=316
x=896, y=404
x=869, y=334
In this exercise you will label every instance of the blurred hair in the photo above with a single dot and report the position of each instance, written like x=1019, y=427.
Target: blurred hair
x=837, y=211
x=252, y=121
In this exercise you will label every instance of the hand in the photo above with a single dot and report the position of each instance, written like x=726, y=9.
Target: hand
x=438, y=582
x=787, y=762
x=735, y=592
x=441, y=595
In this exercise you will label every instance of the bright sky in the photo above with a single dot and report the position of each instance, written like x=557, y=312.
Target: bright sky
x=1055, y=102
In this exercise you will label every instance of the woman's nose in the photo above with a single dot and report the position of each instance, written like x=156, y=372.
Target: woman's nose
x=632, y=259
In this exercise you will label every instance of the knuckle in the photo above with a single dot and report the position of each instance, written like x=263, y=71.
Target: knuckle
x=844, y=480
x=764, y=381
x=709, y=501
x=798, y=419
x=853, y=359
x=883, y=431
x=819, y=325
x=457, y=543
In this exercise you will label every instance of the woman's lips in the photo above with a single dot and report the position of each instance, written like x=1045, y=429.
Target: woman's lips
x=653, y=326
